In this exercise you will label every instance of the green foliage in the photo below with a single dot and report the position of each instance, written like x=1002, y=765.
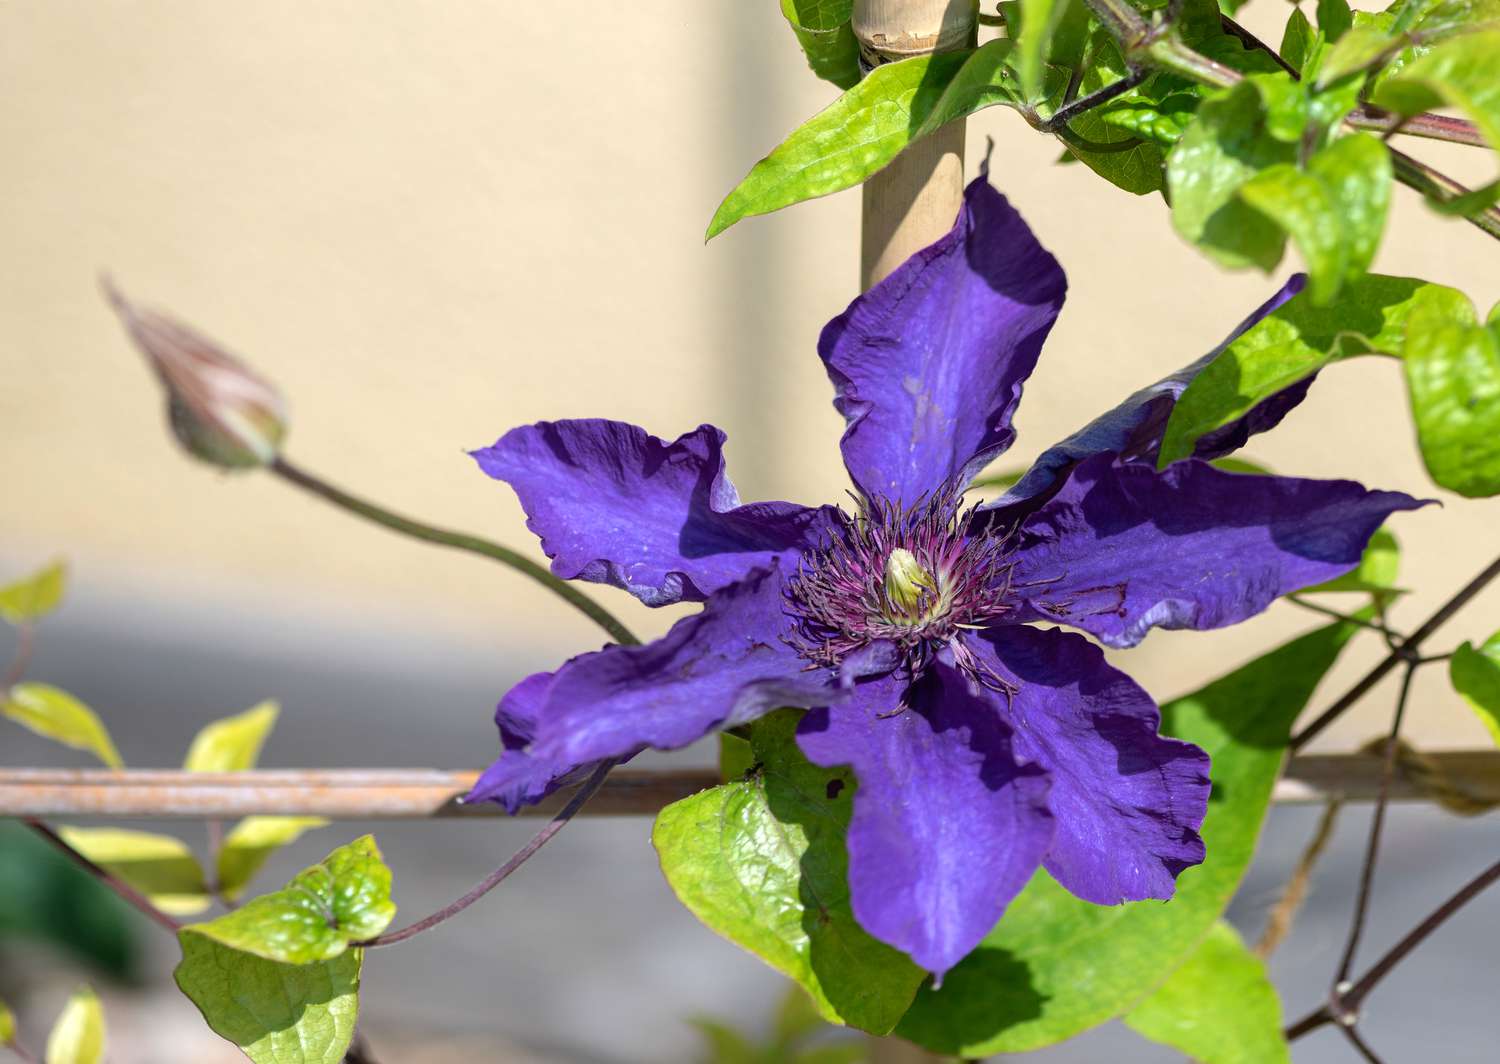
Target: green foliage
x=1040, y=20
x=1289, y=346
x=7, y=1025
x=1218, y=1007
x=33, y=597
x=1453, y=375
x=866, y=127
x=1376, y=572
x=78, y=1035
x=1475, y=674
x=761, y=861
x=1334, y=19
x=1134, y=126
x=736, y=758
x=823, y=30
x=797, y=1024
x=53, y=713
x=342, y=900
x=159, y=866
x=234, y=743
x=251, y=842
x=276, y=1013
x=1054, y=965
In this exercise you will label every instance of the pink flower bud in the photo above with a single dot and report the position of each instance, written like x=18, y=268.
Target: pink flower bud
x=218, y=409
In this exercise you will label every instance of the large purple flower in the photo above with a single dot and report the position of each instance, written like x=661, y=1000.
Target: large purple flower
x=984, y=745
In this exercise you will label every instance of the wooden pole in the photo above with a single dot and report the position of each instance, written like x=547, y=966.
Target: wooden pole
x=914, y=200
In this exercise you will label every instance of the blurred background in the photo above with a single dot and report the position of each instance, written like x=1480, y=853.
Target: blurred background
x=431, y=221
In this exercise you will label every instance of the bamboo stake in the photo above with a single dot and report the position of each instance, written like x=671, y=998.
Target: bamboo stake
x=914, y=200
x=400, y=794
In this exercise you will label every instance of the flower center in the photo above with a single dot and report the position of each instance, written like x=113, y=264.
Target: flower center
x=910, y=576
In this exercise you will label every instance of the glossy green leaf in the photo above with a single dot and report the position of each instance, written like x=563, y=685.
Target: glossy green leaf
x=1218, y=1007
x=7, y=1025
x=344, y=899
x=1054, y=965
x=1334, y=209
x=823, y=30
x=251, y=842
x=1334, y=19
x=1359, y=49
x=1453, y=376
x=276, y=1013
x=52, y=712
x=762, y=862
x=866, y=127
x=1288, y=346
x=1299, y=41
x=159, y=866
x=1039, y=21
x=33, y=597
x=1227, y=144
x=234, y=743
x=1459, y=73
x=78, y=1035
x=1475, y=674
x=1377, y=570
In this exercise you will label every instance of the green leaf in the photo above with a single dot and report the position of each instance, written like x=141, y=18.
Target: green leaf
x=1299, y=41
x=1376, y=572
x=1040, y=19
x=866, y=127
x=1334, y=210
x=1334, y=18
x=344, y=899
x=1359, y=49
x=159, y=866
x=1453, y=376
x=1218, y=1007
x=53, y=713
x=1241, y=465
x=1054, y=965
x=7, y=1025
x=78, y=1035
x=823, y=30
x=232, y=744
x=1458, y=73
x=725, y=1044
x=762, y=862
x=276, y=1013
x=34, y=596
x=796, y=1017
x=1227, y=144
x=253, y=840
x=1475, y=674
x=1289, y=346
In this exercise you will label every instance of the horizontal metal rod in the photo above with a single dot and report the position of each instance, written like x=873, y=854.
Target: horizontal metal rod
x=390, y=794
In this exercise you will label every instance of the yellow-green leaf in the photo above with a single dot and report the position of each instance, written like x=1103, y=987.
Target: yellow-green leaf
x=276, y=1013
x=1475, y=674
x=1376, y=572
x=252, y=841
x=159, y=866
x=232, y=744
x=7, y=1025
x=52, y=712
x=78, y=1035
x=34, y=596
x=345, y=898
x=1218, y=1007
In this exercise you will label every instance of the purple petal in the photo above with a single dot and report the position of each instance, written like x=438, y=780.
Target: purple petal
x=613, y=504
x=928, y=365
x=947, y=828
x=724, y=666
x=1134, y=428
x=1128, y=802
x=1122, y=548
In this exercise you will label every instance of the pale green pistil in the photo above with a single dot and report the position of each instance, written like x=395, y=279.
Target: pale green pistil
x=909, y=586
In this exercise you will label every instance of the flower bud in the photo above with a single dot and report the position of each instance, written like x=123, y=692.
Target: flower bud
x=218, y=409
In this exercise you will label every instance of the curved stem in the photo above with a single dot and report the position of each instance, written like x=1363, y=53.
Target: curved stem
x=1430, y=126
x=119, y=886
x=460, y=541
x=1439, y=186
x=499, y=875
x=25, y=643
x=1404, y=652
x=1347, y=618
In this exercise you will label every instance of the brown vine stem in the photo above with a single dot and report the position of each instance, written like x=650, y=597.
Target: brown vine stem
x=1354, y=997
x=459, y=540
x=25, y=644
x=119, y=886
x=1279, y=923
x=499, y=875
x=1406, y=651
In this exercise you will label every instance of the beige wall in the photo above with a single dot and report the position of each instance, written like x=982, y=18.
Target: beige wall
x=432, y=221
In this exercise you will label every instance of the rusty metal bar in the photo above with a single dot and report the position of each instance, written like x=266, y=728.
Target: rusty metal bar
x=391, y=794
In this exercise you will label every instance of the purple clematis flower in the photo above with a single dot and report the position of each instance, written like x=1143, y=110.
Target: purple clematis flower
x=983, y=744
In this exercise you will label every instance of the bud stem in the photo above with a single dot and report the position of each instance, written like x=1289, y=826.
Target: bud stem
x=459, y=540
